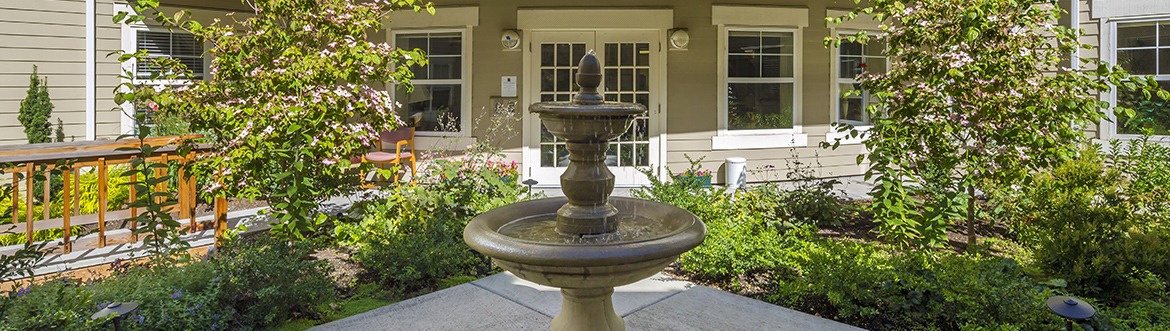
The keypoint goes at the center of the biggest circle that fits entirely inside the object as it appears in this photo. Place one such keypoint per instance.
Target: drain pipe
(90, 69)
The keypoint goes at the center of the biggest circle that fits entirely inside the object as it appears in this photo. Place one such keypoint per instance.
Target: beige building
(745, 79)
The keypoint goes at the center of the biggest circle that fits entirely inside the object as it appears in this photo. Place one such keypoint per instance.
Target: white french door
(630, 69)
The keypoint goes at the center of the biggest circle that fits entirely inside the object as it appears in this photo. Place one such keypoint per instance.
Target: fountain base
(587, 309)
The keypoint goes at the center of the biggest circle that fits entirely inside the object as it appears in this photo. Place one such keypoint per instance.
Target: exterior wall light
(679, 38)
(510, 39)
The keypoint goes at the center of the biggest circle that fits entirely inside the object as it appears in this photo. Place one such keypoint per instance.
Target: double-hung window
(853, 59)
(162, 43)
(177, 45)
(761, 80)
(437, 98)
(1143, 48)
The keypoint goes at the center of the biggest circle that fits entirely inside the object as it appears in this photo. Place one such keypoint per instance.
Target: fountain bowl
(585, 265)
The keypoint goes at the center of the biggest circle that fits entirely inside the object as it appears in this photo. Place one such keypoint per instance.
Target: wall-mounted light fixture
(510, 39)
(679, 38)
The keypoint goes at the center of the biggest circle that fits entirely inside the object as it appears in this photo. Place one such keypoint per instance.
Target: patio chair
(404, 149)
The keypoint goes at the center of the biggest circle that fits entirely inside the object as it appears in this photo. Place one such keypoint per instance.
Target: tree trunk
(970, 218)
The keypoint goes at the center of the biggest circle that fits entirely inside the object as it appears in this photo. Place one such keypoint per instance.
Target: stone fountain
(586, 242)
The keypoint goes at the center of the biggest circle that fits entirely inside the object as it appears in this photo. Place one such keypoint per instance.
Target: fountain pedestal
(585, 243)
(587, 309)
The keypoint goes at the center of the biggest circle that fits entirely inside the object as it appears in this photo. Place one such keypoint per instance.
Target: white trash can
(736, 175)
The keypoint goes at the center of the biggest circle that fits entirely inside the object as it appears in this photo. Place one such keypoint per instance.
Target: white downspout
(90, 69)
(1074, 20)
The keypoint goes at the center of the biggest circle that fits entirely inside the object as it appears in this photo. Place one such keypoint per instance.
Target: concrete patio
(504, 302)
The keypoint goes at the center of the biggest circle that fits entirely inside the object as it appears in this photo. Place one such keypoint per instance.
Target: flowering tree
(296, 92)
(978, 95)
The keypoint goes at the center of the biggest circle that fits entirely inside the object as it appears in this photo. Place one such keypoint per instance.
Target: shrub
(1147, 167)
(168, 297)
(877, 287)
(269, 281)
(284, 129)
(413, 238)
(810, 200)
(956, 113)
(54, 305)
(247, 285)
(739, 241)
(36, 109)
(1137, 315)
(1087, 230)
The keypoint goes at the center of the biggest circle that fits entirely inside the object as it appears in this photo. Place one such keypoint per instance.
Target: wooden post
(181, 192)
(191, 192)
(76, 191)
(220, 219)
(28, 203)
(103, 181)
(65, 201)
(15, 196)
(45, 198)
(220, 213)
(161, 186)
(133, 210)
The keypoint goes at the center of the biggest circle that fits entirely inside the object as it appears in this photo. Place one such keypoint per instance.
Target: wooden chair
(401, 137)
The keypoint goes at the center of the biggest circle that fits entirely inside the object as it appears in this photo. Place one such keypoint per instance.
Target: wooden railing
(27, 160)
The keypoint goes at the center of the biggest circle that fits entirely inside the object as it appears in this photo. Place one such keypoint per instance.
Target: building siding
(51, 35)
(692, 100)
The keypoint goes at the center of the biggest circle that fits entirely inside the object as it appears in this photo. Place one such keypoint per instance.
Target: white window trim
(1108, 129)
(464, 81)
(767, 138)
(129, 44)
(834, 135)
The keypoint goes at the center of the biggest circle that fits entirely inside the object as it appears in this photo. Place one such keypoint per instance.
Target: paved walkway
(850, 187)
(504, 302)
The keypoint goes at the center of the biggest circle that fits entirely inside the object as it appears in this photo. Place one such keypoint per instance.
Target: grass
(347, 308)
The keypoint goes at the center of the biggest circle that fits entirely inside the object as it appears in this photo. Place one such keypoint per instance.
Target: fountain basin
(590, 264)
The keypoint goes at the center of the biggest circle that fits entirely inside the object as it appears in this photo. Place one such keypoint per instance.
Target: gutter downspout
(90, 69)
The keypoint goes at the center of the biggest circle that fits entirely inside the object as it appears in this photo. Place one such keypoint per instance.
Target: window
(1143, 48)
(437, 98)
(761, 80)
(161, 43)
(852, 60)
(167, 44)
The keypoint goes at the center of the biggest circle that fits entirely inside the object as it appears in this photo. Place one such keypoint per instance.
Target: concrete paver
(547, 300)
(705, 308)
(504, 302)
(464, 307)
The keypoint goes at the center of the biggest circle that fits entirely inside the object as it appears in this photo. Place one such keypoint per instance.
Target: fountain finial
(588, 78)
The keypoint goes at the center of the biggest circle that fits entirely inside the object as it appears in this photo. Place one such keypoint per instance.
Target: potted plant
(694, 176)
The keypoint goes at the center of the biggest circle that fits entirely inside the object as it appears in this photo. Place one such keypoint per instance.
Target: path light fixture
(530, 182)
(119, 310)
(1070, 309)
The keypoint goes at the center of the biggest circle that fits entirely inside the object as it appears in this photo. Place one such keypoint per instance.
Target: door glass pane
(632, 84)
(557, 84)
(626, 69)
